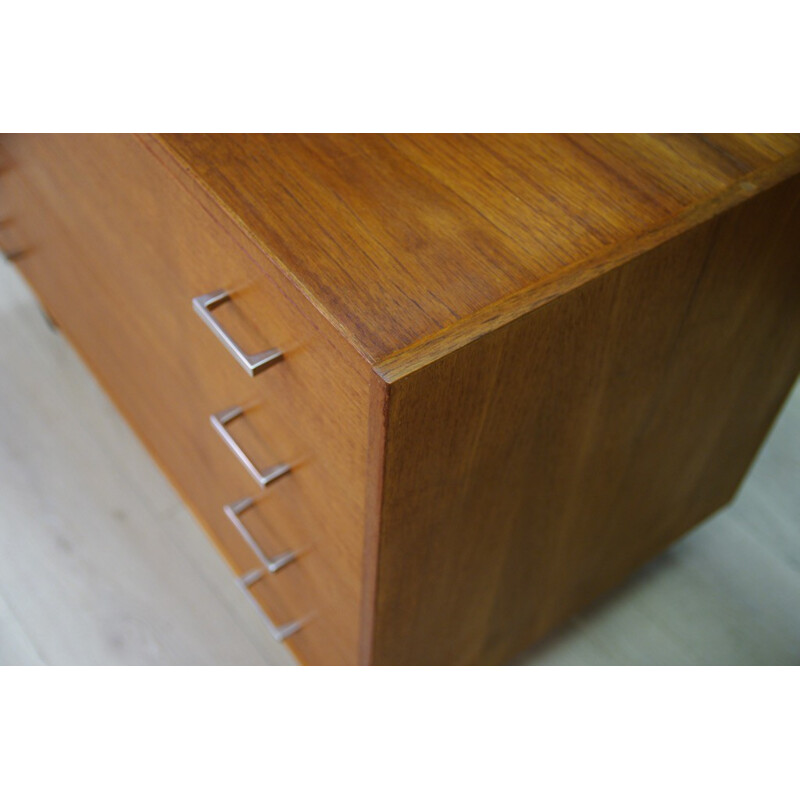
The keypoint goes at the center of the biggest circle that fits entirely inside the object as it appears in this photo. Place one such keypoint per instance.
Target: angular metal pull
(263, 477)
(232, 512)
(252, 364)
(278, 632)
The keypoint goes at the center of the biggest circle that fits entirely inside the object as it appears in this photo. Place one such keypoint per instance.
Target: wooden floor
(100, 563)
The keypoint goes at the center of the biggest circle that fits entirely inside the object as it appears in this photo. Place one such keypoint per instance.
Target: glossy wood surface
(101, 562)
(516, 367)
(116, 250)
(727, 594)
(400, 238)
(531, 471)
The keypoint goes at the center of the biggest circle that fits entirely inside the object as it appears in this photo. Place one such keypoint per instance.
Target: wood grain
(516, 366)
(100, 560)
(118, 249)
(726, 594)
(398, 238)
(531, 471)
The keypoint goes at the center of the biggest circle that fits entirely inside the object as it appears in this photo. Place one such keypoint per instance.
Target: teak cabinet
(430, 395)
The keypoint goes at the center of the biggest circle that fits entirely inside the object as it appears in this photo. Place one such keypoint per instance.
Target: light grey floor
(100, 563)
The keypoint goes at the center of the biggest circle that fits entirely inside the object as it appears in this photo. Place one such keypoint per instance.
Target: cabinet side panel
(531, 471)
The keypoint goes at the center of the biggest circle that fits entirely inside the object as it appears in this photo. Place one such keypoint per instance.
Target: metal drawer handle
(278, 632)
(218, 422)
(252, 364)
(232, 512)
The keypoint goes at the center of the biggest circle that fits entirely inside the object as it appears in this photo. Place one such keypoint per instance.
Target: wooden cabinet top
(412, 245)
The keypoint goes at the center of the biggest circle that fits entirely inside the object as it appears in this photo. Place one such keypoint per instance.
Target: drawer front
(117, 245)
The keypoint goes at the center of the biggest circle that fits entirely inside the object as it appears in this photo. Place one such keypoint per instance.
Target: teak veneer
(515, 367)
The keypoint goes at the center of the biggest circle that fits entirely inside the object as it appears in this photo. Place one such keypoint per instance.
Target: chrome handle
(252, 364)
(218, 422)
(232, 512)
(278, 632)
